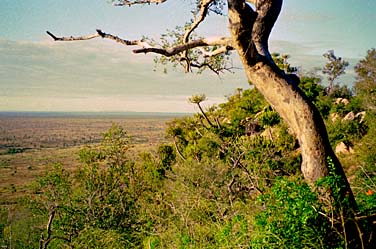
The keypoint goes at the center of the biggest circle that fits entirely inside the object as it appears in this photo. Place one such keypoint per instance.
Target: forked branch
(253, 27)
(204, 7)
(147, 48)
(224, 41)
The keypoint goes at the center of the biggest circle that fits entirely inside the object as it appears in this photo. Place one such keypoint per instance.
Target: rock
(342, 101)
(267, 133)
(334, 116)
(342, 148)
(226, 121)
(351, 150)
(349, 117)
(361, 116)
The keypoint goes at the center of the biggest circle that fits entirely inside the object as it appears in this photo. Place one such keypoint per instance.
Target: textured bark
(283, 94)
(250, 31)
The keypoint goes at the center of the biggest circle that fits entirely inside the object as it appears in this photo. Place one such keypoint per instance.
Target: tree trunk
(250, 31)
(280, 90)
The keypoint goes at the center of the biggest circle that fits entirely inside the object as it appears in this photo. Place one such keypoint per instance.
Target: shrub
(290, 218)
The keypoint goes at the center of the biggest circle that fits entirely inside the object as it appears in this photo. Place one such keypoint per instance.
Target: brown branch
(130, 3)
(204, 114)
(217, 71)
(183, 47)
(202, 14)
(100, 33)
(43, 243)
(218, 51)
(146, 47)
(71, 38)
(267, 14)
(178, 150)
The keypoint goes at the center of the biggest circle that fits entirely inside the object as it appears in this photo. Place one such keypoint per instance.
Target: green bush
(290, 218)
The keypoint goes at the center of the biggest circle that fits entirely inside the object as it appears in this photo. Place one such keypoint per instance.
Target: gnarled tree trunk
(250, 31)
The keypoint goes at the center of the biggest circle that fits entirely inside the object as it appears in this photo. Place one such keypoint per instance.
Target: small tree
(334, 68)
(365, 86)
(197, 99)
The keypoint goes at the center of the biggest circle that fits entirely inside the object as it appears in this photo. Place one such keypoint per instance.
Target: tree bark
(283, 94)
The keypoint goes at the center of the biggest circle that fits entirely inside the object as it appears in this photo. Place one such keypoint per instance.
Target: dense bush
(291, 218)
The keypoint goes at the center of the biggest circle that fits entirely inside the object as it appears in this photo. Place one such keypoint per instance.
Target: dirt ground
(29, 144)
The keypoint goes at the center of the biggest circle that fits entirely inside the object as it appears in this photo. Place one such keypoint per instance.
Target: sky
(37, 74)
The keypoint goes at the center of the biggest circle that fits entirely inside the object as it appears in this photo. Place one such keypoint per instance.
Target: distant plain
(30, 142)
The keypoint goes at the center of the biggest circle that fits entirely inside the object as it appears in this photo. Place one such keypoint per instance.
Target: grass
(28, 144)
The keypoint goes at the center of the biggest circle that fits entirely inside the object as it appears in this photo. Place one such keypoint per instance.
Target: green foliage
(269, 118)
(103, 204)
(15, 150)
(229, 179)
(99, 238)
(290, 218)
(334, 68)
(365, 85)
(346, 131)
(366, 183)
(281, 61)
(311, 87)
(367, 146)
(167, 155)
(15, 224)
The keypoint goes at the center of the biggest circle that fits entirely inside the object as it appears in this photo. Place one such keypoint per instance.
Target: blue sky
(37, 74)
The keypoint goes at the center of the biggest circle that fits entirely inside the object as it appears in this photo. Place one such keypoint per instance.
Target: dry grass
(29, 144)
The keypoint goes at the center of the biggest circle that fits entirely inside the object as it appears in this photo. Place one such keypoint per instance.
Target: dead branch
(203, 12)
(43, 243)
(218, 51)
(100, 33)
(146, 47)
(130, 3)
(184, 47)
(71, 38)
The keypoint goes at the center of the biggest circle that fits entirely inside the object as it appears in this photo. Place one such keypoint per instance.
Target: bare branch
(130, 3)
(147, 48)
(103, 35)
(202, 14)
(43, 243)
(141, 43)
(226, 41)
(71, 38)
(218, 51)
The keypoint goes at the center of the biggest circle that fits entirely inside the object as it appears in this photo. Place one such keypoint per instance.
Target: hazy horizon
(37, 74)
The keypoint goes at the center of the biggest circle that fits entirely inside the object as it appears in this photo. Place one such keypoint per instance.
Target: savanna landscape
(228, 176)
(30, 141)
(287, 162)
